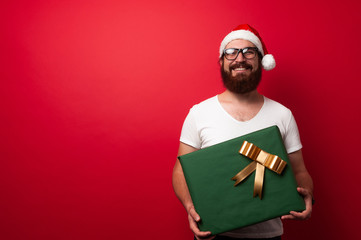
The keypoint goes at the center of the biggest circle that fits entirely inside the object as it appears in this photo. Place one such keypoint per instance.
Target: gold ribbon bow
(260, 159)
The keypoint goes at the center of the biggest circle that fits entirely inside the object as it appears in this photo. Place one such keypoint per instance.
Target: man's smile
(240, 69)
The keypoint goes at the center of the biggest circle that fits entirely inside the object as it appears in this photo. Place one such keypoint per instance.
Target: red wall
(93, 96)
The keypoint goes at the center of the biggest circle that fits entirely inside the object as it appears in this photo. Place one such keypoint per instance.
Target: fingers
(288, 217)
(198, 233)
(296, 216)
(193, 218)
(194, 214)
(306, 214)
(206, 238)
(304, 192)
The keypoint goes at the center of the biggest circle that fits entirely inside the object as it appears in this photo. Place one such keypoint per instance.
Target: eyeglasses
(247, 52)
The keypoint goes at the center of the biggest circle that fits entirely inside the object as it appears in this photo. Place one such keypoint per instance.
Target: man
(240, 110)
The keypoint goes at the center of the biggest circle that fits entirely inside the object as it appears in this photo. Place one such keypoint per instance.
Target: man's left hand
(306, 214)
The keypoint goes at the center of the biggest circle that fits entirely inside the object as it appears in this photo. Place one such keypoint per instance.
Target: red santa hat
(246, 32)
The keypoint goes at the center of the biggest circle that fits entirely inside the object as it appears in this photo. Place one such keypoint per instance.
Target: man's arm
(181, 190)
(305, 185)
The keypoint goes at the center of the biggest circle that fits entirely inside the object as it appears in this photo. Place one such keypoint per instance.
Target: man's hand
(306, 214)
(193, 218)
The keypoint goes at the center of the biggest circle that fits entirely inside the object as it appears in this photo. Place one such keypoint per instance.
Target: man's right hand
(193, 218)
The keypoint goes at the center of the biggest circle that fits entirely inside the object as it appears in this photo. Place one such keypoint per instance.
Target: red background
(94, 94)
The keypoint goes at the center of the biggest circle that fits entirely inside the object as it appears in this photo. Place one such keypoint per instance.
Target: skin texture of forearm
(302, 176)
(178, 180)
(180, 186)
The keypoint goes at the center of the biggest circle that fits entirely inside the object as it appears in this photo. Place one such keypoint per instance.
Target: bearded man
(240, 110)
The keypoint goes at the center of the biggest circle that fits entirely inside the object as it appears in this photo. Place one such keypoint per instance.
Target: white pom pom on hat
(246, 32)
(268, 62)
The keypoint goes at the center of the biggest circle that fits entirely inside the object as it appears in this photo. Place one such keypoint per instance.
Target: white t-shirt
(208, 123)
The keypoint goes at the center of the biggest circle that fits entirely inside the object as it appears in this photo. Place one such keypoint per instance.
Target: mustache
(240, 65)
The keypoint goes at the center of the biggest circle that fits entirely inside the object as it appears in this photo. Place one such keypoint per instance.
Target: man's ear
(220, 61)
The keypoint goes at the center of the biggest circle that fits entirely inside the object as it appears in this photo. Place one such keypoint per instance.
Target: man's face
(241, 75)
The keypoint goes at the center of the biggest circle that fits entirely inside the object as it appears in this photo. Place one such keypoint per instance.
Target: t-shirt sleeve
(189, 134)
(292, 137)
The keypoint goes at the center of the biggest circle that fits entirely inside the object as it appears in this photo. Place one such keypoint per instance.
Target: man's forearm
(302, 176)
(179, 183)
(180, 186)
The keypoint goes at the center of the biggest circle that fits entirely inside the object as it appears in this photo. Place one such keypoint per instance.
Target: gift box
(223, 206)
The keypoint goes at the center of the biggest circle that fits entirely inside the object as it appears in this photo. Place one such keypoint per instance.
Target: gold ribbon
(261, 159)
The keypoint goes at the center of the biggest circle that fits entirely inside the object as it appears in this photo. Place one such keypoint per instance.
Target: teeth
(240, 69)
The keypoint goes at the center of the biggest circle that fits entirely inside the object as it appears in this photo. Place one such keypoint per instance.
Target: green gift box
(224, 207)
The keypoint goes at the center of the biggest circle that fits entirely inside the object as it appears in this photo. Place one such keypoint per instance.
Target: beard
(241, 83)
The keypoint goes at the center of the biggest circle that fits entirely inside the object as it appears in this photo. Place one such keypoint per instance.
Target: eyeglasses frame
(241, 50)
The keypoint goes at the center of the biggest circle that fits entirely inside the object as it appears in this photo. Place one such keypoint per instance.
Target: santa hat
(246, 32)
